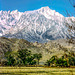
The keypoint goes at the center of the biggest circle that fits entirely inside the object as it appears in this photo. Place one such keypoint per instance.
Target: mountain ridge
(39, 25)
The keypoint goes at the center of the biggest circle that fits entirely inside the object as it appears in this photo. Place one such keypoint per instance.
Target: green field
(36, 71)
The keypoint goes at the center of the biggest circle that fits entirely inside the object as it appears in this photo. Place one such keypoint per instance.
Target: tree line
(24, 57)
(21, 58)
(66, 60)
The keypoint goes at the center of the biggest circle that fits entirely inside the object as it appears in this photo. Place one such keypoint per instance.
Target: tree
(23, 55)
(72, 25)
(10, 59)
(71, 61)
(52, 61)
(72, 2)
(38, 57)
(31, 60)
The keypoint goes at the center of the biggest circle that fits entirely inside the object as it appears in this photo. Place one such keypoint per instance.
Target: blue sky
(26, 5)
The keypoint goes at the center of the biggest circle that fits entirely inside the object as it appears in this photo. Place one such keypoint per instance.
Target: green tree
(23, 55)
(38, 57)
(71, 61)
(52, 61)
(48, 63)
(10, 59)
(31, 60)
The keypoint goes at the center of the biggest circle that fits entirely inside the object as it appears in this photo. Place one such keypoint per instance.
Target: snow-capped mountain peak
(38, 25)
(44, 9)
(47, 12)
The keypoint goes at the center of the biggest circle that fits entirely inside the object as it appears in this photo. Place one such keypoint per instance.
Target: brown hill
(56, 47)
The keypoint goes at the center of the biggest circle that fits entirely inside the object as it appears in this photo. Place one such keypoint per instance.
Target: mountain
(8, 20)
(55, 47)
(39, 25)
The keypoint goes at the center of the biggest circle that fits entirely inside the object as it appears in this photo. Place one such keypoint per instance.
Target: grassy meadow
(36, 71)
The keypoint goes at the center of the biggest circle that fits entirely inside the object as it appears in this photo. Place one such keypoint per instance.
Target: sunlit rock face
(39, 25)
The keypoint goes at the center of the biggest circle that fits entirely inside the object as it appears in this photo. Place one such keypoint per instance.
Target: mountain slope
(56, 47)
(39, 25)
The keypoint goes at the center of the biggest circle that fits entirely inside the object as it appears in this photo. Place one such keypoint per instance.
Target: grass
(36, 71)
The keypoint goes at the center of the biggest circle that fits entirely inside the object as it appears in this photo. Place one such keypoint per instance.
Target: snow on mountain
(8, 20)
(39, 25)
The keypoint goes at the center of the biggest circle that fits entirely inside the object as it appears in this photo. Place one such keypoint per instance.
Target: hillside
(57, 47)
